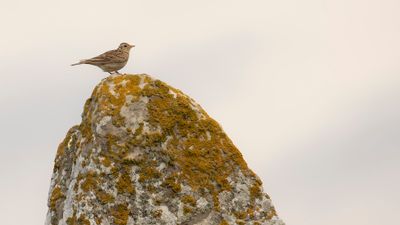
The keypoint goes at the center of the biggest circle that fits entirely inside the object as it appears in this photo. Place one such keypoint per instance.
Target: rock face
(145, 153)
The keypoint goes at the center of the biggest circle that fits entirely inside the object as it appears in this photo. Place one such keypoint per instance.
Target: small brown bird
(110, 61)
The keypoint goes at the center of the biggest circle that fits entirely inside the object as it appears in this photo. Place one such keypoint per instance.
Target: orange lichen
(98, 220)
(148, 172)
(90, 181)
(223, 222)
(157, 214)
(120, 214)
(255, 191)
(187, 210)
(56, 195)
(171, 183)
(188, 199)
(106, 162)
(62, 147)
(240, 215)
(124, 184)
(82, 220)
(104, 197)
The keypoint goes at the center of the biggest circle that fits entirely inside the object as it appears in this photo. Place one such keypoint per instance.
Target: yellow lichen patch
(240, 215)
(124, 184)
(147, 173)
(90, 181)
(106, 162)
(82, 220)
(171, 183)
(187, 210)
(98, 220)
(240, 222)
(271, 213)
(223, 222)
(255, 191)
(120, 214)
(108, 98)
(86, 126)
(72, 220)
(62, 147)
(188, 199)
(250, 211)
(115, 153)
(56, 195)
(215, 199)
(111, 102)
(157, 213)
(104, 197)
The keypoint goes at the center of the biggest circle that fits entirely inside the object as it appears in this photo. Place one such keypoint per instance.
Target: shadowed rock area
(145, 153)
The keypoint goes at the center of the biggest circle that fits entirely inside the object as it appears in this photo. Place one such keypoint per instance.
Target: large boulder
(145, 153)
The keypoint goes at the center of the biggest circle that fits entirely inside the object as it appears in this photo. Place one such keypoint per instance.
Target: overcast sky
(308, 90)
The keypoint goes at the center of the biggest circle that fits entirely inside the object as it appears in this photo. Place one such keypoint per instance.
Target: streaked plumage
(110, 61)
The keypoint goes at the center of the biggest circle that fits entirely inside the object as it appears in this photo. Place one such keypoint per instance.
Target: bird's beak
(132, 46)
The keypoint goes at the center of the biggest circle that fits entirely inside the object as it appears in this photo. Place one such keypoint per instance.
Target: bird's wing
(113, 56)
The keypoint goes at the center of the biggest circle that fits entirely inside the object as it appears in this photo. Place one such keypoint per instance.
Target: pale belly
(112, 67)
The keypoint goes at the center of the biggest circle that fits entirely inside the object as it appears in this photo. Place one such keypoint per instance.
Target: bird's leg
(110, 73)
(117, 71)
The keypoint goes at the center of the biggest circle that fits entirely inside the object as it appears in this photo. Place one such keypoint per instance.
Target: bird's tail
(80, 62)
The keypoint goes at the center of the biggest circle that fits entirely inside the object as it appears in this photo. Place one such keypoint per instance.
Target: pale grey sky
(308, 90)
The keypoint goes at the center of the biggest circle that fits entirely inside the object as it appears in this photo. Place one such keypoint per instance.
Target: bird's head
(125, 46)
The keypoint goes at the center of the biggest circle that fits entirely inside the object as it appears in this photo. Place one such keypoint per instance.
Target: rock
(145, 153)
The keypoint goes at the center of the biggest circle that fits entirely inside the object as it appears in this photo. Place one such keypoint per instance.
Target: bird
(110, 61)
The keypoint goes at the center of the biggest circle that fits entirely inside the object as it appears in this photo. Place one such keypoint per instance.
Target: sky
(307, 90)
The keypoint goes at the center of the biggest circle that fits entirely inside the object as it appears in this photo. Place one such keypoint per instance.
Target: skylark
(110, 61)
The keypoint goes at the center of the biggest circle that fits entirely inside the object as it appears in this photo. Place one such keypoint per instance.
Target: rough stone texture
(145, 153)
